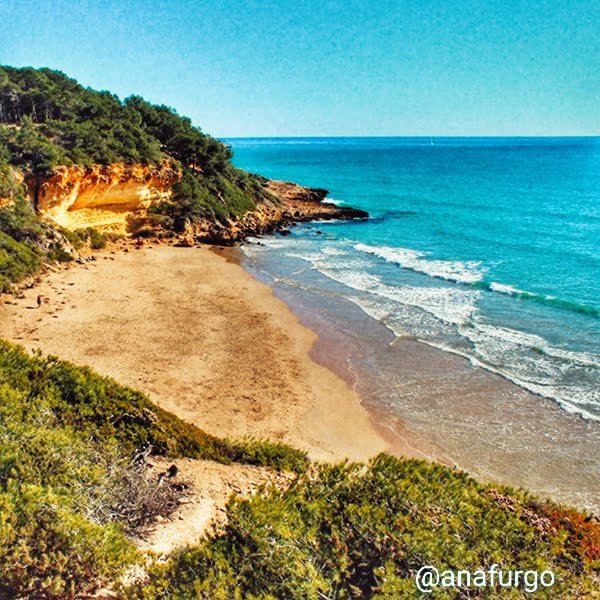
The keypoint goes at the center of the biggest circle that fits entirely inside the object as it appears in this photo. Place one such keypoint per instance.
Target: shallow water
(486, 249)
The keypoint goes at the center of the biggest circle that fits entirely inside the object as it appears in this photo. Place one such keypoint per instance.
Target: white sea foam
(505, 289)
(381, 311)
(331, 251)
(569, 399)
(536, 365)
(537, 343)
(458, 271)
(449, 305)
(447, 318)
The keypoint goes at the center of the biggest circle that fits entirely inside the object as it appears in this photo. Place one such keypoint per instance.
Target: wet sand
(203, 339)
(446, 408)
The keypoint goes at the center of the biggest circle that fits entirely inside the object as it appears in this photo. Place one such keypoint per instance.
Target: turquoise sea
(487, 248)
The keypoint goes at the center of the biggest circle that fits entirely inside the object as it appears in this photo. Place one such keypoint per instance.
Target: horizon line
(423, 136)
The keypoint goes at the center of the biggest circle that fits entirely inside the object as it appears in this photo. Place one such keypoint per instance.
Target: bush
(97, 239)
(20, 222)
(72, 481)
(274, 454)
(48, 550)
(356, 531)
(17, 261)
(9, 188)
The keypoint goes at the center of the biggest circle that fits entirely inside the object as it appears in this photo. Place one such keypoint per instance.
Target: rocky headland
(117, 198)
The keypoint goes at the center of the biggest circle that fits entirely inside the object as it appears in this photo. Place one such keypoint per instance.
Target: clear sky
(339, 67)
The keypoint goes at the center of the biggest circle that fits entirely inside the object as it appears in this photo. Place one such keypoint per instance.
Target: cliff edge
(118, 198)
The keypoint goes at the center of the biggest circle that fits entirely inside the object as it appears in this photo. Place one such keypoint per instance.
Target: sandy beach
(204, 340)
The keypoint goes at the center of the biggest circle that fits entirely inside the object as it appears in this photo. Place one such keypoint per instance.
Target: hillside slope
(83, 159)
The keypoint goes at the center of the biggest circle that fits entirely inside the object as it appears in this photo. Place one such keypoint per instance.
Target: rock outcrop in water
(291, 204)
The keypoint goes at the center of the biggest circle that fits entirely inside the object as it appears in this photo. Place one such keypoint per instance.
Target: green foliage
(69, 484)
(17, 261)
(25, 243)
(217, 197)
(97, 239)
(9, 188)
(49, 550)
(47, 119)
(19, 222)
(79, 237)
(274, 454)
(52, 120)
(356, 531)
(179, 138)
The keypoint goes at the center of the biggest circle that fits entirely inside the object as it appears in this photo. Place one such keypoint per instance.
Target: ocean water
(485, 247)
(466, 309)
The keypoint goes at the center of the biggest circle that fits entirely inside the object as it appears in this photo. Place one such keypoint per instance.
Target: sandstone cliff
(101, 196)
(116, 198)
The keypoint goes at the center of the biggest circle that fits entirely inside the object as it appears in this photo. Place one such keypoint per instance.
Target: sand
(204, 340)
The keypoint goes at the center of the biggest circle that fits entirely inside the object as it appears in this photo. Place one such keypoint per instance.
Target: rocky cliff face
(116, 197)
(101, 196)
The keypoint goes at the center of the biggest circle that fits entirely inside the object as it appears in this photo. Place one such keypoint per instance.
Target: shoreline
(332, 356)
(334, 414)
(203, 339)
(454, 412)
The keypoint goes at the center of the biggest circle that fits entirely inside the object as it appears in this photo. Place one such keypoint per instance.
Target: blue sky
(340, 67)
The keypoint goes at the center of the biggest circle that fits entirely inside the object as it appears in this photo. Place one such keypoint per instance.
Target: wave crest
(457, 271)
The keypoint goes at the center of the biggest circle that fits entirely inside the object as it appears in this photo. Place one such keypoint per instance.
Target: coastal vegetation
(73, 488)
(75, 485)
(363, 531)
(72, 478)
(48, 119)
(21, 243)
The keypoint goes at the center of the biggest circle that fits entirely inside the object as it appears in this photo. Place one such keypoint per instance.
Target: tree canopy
(48, 119)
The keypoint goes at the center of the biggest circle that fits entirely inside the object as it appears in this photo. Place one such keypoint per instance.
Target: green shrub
(70, 482)
(9, 188)
(48, 550)
(101, 408)
(25, 243)
(355, 531)
(274, 454)
(20, 222)
(17, 261)
(56, 253)
(79, 237)
(70, 487)
(76, 237)
(97, 239)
